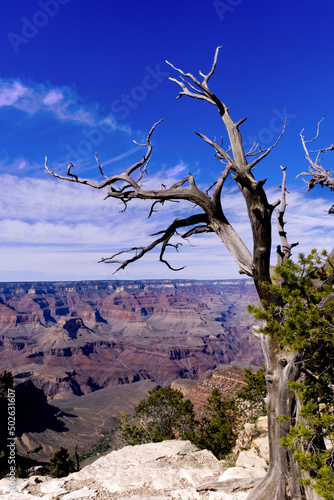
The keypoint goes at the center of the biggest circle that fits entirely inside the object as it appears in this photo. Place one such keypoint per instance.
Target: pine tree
(61, 464)
(302, 319)
(217, 433)
(163, 415)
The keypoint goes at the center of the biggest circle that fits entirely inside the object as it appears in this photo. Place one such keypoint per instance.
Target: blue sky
(79, 77)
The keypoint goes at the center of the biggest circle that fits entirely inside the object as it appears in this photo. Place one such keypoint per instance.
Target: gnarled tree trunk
(281, 481)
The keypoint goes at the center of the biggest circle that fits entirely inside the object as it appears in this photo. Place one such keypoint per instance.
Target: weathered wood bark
(281, 482)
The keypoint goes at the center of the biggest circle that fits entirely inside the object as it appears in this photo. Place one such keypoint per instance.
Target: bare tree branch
(267, 150)
(197, 230)
(202, 91)
(283, 250)
(221, 154)
(254, 150)
(98, 164)
(318, 173)
(125, 176)
(167, 234)
(125, 187)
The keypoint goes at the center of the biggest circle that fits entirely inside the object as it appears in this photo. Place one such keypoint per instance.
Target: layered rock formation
(84, 336)
(79, 422)
(229, 381)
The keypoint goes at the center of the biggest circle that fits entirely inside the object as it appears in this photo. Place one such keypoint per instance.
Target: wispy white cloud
(121, 156)
(19, 166)
(11, 92)
(52, 97)
(61, 230)
(46, 211)
(174, 171)
(62, 103)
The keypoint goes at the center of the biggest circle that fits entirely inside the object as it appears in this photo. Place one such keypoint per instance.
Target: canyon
(82, 352)
(85, 336)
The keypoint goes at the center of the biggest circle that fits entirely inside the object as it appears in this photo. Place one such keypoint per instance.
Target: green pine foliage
(61, 464)
(302, 319)
(166, 415)
(255, 390)
(216, 433)
(6, 382)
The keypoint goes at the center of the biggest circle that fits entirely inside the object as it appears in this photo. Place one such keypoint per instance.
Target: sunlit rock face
(228, 380)
(84, 336)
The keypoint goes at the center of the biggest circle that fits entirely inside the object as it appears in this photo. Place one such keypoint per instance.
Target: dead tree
(319, 175)
(280, 482)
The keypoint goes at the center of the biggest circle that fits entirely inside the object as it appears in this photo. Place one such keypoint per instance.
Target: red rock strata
(84, 336)
(229, 381)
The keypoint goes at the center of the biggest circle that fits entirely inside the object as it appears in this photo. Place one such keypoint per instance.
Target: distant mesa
(71, 325)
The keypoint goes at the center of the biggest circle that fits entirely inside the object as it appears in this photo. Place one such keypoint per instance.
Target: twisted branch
(124, 187)
(128, 185)
(318, 173)
(167, 234)
(202, 91)
(283, 250)
(124, 177)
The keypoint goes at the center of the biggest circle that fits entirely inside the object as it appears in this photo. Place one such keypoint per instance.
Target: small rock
(250, 459)
(249, 429)
(84, 492)
(240, 472)
(55, 487)
(262, 424)
(261, 445)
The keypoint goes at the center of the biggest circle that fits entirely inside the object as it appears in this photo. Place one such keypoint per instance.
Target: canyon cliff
(88, 335)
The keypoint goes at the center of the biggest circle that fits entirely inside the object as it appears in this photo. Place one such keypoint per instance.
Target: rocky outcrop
(167, 470)
(228, 380)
